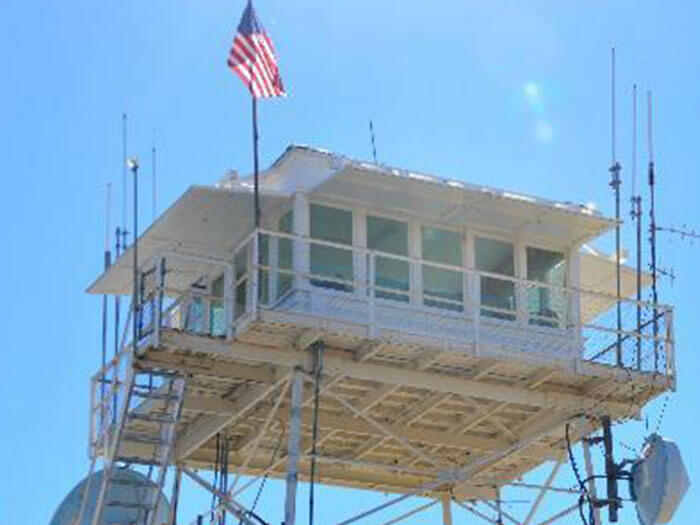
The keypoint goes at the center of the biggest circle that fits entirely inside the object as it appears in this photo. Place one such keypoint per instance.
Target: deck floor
(394, 415)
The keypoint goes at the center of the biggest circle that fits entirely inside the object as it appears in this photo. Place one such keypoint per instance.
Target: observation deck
(455, 330)
(414, 385)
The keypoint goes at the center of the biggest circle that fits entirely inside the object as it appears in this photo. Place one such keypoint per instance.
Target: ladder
(145, 423)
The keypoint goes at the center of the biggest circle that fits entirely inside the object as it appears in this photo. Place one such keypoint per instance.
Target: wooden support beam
(542, 493)
(204, 427)
(329, 421)
(338, 362)
(446, 509)
(307, 338)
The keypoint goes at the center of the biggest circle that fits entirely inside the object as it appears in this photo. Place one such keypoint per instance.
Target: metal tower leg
(446, 509)
(591, 483)
(293, 448)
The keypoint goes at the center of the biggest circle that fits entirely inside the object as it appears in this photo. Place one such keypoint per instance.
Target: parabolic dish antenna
(659, 481)
(128, 487)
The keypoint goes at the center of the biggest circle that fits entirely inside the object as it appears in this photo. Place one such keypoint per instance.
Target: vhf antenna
(153, 173)
(615, 182)
(636, 213)
(652, 230)
(124, 181)
(374, 147)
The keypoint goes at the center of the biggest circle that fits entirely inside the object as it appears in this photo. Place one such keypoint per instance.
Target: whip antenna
(374, 147)
(636, 213)
(652, 228)
(615, 169)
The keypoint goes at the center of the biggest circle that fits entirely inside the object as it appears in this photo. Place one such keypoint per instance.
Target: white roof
(211, 221)
(328, 175)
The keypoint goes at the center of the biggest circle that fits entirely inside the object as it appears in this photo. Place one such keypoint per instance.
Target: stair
(155, 397)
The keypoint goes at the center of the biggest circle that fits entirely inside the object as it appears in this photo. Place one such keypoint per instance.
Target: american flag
(252, 57)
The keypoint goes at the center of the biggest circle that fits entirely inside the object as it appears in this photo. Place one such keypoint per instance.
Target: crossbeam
(339, 362)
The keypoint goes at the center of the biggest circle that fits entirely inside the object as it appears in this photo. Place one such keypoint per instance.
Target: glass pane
(217, 315)
(497, 295)
(392, 274)
(332, 262)
(240, 260)
(285, 280)
(494, 256)
(441, 283)
(194, 319)
(498, 298)
(543, 303)
(442, 246)
(387, 235)
(241, 298)
(331, 224)
(334, 225)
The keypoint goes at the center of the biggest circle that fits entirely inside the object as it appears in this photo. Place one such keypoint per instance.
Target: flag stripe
(252, 57)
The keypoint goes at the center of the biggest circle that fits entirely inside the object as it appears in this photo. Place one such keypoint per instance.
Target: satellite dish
(128, 487)
(659, 481)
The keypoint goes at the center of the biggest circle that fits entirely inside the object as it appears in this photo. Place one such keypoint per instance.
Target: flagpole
(255, 162)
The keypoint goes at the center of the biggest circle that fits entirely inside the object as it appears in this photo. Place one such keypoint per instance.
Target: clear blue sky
(490, 92)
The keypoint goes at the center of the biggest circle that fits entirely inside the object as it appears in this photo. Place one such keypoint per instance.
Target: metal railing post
(273, 268)
(371, 295)
(229, 300)
(159, 291)
(254, 272)
(670, 345)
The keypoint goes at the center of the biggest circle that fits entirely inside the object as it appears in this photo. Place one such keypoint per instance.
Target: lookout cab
(454, 330)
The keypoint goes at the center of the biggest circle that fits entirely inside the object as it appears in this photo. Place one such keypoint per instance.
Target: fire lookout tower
(404, 333)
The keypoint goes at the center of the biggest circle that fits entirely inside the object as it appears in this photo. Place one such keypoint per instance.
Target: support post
(175, 496)
(302, 231)
(318, 348)
(371, 291)
(293, 448)
(446, 509)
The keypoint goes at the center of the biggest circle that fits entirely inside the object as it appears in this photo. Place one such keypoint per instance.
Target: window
(335, 263)
(391, 237)
(546, 306)
(445, 247)
(240, 261)
(217, 313)
(497, 295)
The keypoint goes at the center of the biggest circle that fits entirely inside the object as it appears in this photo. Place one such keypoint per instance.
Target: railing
(107, 397)
(377, 292)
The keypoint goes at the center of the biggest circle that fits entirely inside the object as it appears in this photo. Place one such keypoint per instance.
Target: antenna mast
(107, 264)
(615, 182)
(652, 229)
(636, 213)
(374, 147)
(153, 173)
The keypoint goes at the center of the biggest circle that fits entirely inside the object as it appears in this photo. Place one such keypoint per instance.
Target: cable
(264, 480)
(582, 486)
